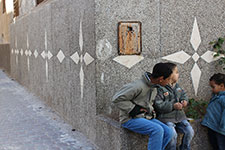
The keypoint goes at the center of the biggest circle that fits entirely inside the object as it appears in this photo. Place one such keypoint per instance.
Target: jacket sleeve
(123, 98)
(162, 105)
(183, 95)
(222, 121)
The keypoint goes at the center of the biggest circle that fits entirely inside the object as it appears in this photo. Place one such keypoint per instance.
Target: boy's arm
(161, 105)
(183, 98)
(222, 121)
(183, 95)
(123, 98)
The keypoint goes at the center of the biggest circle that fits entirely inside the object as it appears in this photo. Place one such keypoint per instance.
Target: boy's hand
(184, 103)
(143, 110)
(137, 110)
(178, 106)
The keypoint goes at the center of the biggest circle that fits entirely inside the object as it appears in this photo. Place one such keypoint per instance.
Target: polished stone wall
(174, 31)
(53, 56)
(66, 52)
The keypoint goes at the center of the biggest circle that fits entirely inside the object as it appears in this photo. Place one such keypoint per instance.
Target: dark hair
(172, 66)
(218, 78)
(161, 69)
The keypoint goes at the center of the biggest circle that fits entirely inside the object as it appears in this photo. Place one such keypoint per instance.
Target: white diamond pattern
(195, 36)
(29, 53)
(128, 61)
(17, 52)
(195, 57)
(26, 52)
(27, 42)
(178, 57)
(196, 75)
(46, 70)
(81, 37)
(49, 55)
(209, 56)
(88, 59)
(75, 57)
(43, 54)
(35, 54)
(28, 64)
(60, 56)
(82, 82)
(21, 52)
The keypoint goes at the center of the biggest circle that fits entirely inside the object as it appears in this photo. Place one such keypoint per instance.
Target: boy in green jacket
(169, 104)
(135, 102)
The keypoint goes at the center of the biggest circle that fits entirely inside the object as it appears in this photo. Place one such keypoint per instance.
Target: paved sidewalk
(27, 124)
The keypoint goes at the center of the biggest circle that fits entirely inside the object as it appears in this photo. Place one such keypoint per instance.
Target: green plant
(218, 48)
(196, 108)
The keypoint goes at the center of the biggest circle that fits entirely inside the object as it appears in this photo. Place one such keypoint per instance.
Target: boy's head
(175, 74)
(217, 82)
(161, 74)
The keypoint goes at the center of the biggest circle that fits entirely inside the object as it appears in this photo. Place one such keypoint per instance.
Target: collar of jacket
(215, 96)
(221, 93)
(147, 79)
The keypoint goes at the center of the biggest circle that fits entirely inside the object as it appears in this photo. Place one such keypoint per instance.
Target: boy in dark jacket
(169, 104)
(135, 102)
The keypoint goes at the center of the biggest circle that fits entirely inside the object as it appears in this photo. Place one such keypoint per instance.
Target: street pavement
(27, 124)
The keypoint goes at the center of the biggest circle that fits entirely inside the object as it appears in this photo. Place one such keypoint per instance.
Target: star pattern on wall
(76, 58)
(86, 58)
(127, 60)
(46, 55)
(182, 57)
(28, 53)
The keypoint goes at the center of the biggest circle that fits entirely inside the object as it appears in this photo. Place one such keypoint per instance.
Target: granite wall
(168, 31)
(52, 55)
(177, 31)
(66, 52)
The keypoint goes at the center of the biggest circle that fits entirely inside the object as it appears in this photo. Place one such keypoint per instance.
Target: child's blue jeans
(159, 133)
(181, 127)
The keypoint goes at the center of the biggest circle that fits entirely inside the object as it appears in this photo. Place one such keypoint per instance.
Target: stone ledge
(111, 136)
